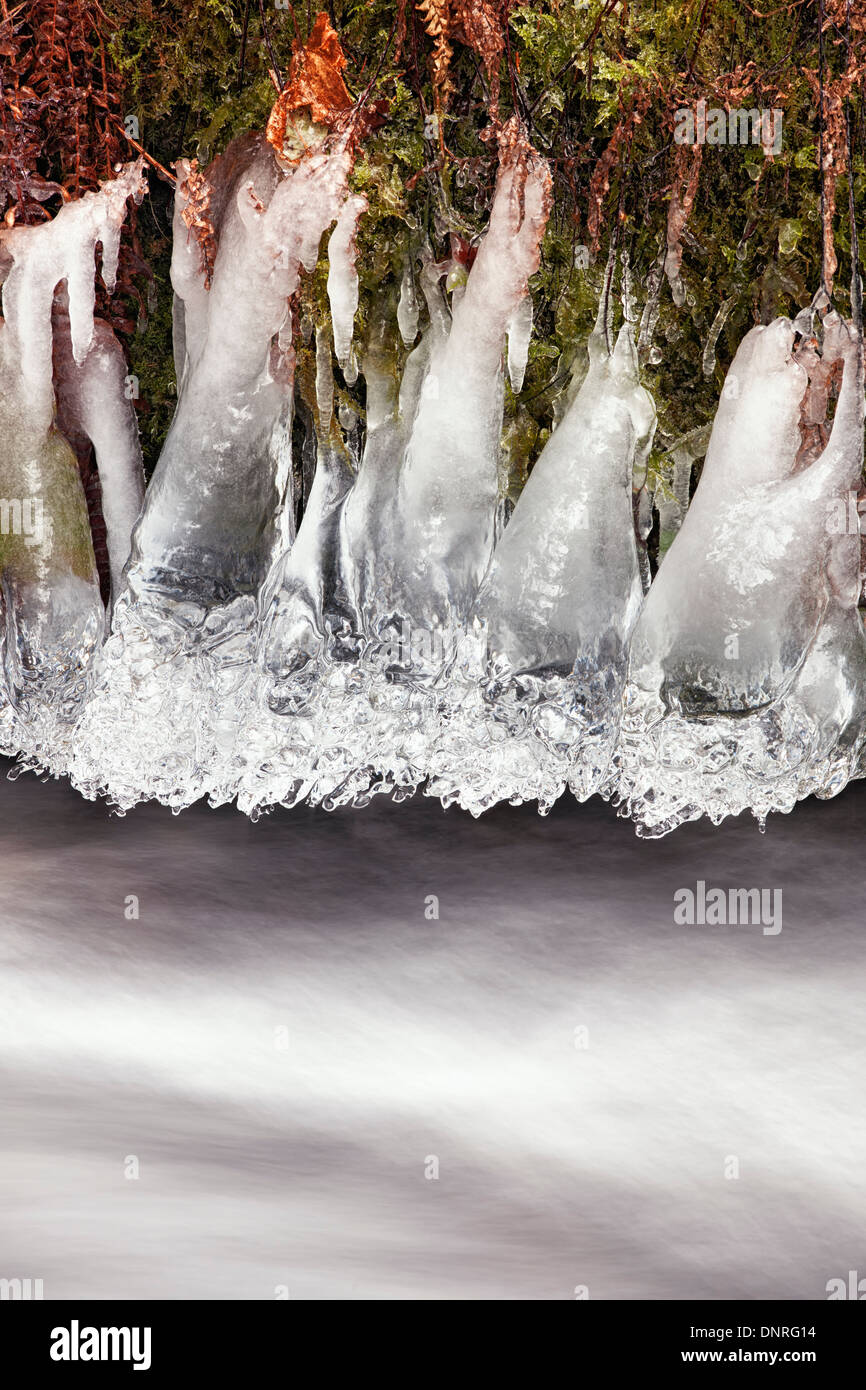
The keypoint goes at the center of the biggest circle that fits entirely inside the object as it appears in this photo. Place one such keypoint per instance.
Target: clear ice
(58, 364)
(746, 683)
(416, 631)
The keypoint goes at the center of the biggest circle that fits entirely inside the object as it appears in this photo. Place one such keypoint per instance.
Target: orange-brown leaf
(314, 81)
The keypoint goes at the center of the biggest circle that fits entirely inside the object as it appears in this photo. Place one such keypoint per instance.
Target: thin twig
(243, 57)
(160, 168)
(267, 38)
(856, 282)
(821, 144)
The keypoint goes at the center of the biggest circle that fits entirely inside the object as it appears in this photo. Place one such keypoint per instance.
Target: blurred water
(409, 1038)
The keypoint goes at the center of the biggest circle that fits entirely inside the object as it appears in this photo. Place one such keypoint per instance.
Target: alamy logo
(843, 516)
(855, 1288)
(76, 1343)
(20, 1290)
(738, 907)
(417, 646)
(734, 127)
(22, 516)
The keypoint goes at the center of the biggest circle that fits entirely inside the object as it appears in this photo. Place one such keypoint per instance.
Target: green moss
(46, 469)
(754, 234)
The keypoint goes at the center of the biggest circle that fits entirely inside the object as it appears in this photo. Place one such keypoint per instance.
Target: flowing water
(287, 1043)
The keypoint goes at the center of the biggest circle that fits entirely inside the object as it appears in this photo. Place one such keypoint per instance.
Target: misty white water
(284, 1040)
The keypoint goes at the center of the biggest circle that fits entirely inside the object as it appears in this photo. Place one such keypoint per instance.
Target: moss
(152, 360)
(46, 469)
(753, 236)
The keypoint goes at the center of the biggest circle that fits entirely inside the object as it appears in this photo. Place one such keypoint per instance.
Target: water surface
(287, 1041)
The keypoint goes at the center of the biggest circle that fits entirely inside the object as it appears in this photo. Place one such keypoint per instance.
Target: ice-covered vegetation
(332, 587)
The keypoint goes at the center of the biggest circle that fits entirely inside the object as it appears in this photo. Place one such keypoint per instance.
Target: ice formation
(366, 620)
(414, 632)
(166, 707)
(557, 606)
(93, 402)
(59, 366)
(747, 666)
(519, 334)
(407, 307)
(343, 277)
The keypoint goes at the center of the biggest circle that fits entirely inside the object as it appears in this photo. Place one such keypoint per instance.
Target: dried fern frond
(438, 20)
(196, 214)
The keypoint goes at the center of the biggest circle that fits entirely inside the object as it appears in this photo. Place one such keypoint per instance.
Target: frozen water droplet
(342, 276)
(350, 370)
(324, 380)
(709, 357)
(519, 336)
(407, 306)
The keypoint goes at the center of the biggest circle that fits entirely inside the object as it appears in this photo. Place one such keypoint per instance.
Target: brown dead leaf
(314, 82)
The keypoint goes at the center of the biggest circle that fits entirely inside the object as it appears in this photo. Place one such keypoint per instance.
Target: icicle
(519, 335)
(191, 297)
(343, 277)
(604, 318)
(63, 249)
(407, 305)
(643, 509)
(579, 599)
(709, 357)
(303, 598)
(51, 611)
(282, 463)
(628, 305)
(672, 502)
(728, 630)
(437, 307)
(92, 398)
(679, 209)
(748, 663)
(651, 309)
(350, 370)
(324, 382)
(212, 529)
(448, 487)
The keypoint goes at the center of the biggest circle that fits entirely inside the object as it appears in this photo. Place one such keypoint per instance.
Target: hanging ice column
(93, 403)
(329, 725)
(337, 582)
(304, 603)
(564, 583)
(55, 357)
(165, 715)
(435, 524)
(208, 532)
(558, 605)
(408, 539)
(748, 663)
